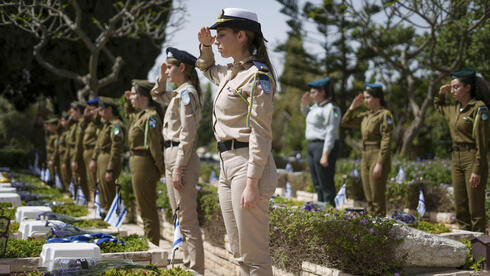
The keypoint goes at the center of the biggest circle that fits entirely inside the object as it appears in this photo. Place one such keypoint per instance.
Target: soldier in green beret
(50, 126)
(91, 123)
(468, 124)
(145, 147)
(62, 148)
(75, 148)
(107, 157)
(376, 129)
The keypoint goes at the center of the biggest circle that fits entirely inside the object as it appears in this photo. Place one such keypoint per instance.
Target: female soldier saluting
(376, 128)
(107, 157)
(468, 123)
(181, 161)
(242, 116)
(145, 148)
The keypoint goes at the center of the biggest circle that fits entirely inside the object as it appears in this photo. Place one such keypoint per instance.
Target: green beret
(464, 72)
(52, 121)
(106, 101)
(77, 104)
(143, 83)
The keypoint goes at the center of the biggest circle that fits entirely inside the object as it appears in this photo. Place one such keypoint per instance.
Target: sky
(201, 13)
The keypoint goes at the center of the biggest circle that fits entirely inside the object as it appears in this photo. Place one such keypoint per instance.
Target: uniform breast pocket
(236, 97)
(466, 124)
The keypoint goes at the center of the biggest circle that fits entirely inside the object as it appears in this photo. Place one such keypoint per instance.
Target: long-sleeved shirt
(243, 106)
(181, 119)
(322, 123)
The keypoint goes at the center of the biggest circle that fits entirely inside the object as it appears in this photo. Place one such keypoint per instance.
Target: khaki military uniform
(469, 129)
(376, 129)
(180, 135)
(75, 155)
(146, 165)
(92, 128)
(108, 151)
(64, 157)
(242, 116)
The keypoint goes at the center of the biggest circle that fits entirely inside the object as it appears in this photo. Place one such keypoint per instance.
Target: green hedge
(14, 158)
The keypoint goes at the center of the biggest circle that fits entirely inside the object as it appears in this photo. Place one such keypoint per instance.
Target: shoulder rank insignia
(117, 130)
(152, 122)
(484, 112)
(388, 118)
(263, 76)
(186, 98)
(335, 112)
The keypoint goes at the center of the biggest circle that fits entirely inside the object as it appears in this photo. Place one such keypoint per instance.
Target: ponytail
(191, 73)
(480, 89)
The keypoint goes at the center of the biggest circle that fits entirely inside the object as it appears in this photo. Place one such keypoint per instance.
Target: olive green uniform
(376, 129)
(75, 155)
(146, 165)
(50, 153)
(468, 127)
(63, 157)
(108, 155)
(92, 128)
(180, 134)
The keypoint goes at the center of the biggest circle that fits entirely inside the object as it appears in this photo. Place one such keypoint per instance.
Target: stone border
(154, 255)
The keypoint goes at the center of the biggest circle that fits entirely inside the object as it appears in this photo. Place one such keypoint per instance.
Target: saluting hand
(205, 37)
(356, 102)
(474, 180)
(127, 94)
(445, 89)
(305, 99)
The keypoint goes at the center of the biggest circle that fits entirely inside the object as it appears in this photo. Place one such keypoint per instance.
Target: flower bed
(148, 270)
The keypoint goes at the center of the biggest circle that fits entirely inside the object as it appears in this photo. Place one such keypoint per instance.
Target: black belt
(140, 152)
(168, 144)
(316, 141)
(231, 144)
(87, 147)
(463, 146)
(370, 146)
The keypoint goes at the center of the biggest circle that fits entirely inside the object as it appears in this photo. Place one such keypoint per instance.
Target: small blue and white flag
(71, 189)
(116, 213)
(177, 239)
(81, 199)
(400, 177)
(340, 198)
(213, 179)
(289, 167)
(42, 175)
(58, 183)
(288, 192)
(97, 203)
(35, 168)
(47, 176)
(421, 206)
(354, 173)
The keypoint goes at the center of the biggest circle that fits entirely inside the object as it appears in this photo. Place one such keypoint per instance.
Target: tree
(413, 56)
(205, 131)
(58, 20)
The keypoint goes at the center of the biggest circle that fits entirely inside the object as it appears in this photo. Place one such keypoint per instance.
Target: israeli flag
(116, 213)
(355, 173)
(35, 168)
(288, 192)
(289, 167)
(47, 176)
(421, 206)
(177, 239)
(71, 189)
(97, 203)
(400, 177)
(81, 199)
(42, 175)
(213, 179)
(58, 183)
(340, 198)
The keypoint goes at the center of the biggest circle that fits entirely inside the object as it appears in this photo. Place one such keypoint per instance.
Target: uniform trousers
(470, 202)
(374, 188)
(247, 228)
(80, 179)
(59, 172)
(186, 202)
(91, 177)
(322, 177)
(107, 189)
(144, 177)
(65, 174)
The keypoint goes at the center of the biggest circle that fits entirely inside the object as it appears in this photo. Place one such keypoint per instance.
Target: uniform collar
(376, 112)
(472, 102)
(181, 88)
(323, 103)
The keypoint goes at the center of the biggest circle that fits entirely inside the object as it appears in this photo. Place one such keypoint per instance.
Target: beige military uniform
(64, 156)
(376, 129)
(180, 134)
(108, 153)
(242, 112)
(468, 127)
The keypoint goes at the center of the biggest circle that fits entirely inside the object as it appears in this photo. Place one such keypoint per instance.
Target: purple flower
(396, 274)
(371, 231)
(365, 221)
(275, 227)
(326, 215)
(292, 214)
